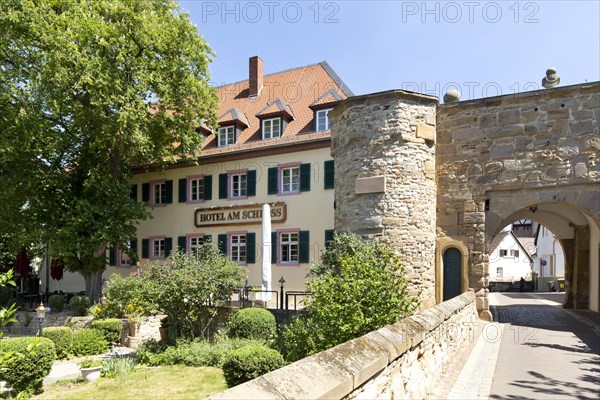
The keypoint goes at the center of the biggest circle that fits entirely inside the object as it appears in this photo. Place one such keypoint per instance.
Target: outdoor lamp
(41, 314)
(281, 286)
(103, 303)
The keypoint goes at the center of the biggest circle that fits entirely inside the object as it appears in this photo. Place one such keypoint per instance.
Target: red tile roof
(293, 91)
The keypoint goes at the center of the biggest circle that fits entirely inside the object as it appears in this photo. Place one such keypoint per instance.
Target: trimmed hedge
(253, 323)
(111, 328)
(56, 301)
(62, 337)
(250, 362)
(80, 304)
(26, 373)
(87, 342)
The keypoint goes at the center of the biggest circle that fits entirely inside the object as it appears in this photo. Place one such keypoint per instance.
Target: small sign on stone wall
(372, 184)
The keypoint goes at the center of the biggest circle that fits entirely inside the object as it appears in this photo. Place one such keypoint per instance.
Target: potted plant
(135, 320)
(90, 369)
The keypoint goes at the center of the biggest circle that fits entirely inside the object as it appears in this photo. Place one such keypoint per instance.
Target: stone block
(425, 131)
(474, 218)
(430, 119)
(372, 184)
(255, 389)
(582, 127)
(502, 151)
(430, 169)
(468, 135)
(509, 117)
(397, 337)
(487, 120)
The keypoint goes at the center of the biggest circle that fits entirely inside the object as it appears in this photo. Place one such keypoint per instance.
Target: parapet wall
(404, 360)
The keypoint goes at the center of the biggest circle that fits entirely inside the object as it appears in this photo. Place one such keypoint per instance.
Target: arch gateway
(427, 178)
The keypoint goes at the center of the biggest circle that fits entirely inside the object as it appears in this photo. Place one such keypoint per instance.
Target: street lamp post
(281, 286)
(41, 314)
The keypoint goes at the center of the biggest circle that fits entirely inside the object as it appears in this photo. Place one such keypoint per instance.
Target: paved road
(545, 351)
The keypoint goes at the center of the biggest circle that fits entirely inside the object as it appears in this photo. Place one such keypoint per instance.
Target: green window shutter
(273, 247)
(133, 248)
(304, 242)
(251, 183)
(305, 177)
(145, 248)
(207, 238)
(208, 187)
(222, 243)
(222, 186)
(182, 243)
(168, 246)
(328, 238)
(272, 183)
(329, 174)
(112, 256)
(183, 190)
(133, 192)
(146, 192)
(251, 248)
(169, 187)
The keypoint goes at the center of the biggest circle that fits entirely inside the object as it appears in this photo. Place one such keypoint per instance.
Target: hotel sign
(238, 215)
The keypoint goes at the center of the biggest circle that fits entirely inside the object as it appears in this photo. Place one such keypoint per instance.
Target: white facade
(550, 262)
(509, 261)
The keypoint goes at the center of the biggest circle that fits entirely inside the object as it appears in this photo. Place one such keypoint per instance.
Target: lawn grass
(168, 382)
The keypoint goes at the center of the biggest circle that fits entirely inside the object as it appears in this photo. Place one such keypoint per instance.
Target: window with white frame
(239, 185)
(271, 128)
(499, 273)
(503, 253)
(123, 259)
(195, 243)
(158, 248)
(322, 119)
(226, 135)
(514, 253)
(159, 195)
(290, 179)
(196, 189)
(237, 248)
(290, 247)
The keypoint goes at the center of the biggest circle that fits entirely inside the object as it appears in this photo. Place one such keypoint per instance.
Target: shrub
(359, 287)
(111, 328)
(80, 304)
(249, 362)
(117, 366)
(253, 323)
(89, 342)
(62, 337)
(26, 372)
(56, 301)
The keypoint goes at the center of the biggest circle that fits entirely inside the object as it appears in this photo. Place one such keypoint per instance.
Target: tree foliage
(89, 89)
(358, 287)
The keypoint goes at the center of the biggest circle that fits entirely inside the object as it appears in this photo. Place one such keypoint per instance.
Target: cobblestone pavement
(545, 352)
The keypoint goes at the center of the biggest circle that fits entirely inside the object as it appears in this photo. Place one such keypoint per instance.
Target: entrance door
(452, 273)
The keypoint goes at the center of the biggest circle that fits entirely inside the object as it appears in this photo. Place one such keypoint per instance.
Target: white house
(549, 264)
(509, 260)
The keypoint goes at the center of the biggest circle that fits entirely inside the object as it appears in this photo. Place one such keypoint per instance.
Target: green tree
(358, 287)
(88, 90)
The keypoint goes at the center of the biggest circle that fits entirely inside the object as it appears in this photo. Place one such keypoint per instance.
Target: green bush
(358, 287)
(62, 337)
(253, 323)
(56, 301)
(112, 329)
(195, 354)
(80, 304)
(88, 342)
(249, 362)
(26, 372)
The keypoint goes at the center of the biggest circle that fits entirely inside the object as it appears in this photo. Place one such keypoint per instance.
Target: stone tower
(383, 146)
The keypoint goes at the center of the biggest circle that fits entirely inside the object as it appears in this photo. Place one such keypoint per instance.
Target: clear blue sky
(482, 47)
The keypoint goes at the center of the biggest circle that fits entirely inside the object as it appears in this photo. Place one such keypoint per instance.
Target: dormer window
(226, 135)
(271, 128)
(322, 119)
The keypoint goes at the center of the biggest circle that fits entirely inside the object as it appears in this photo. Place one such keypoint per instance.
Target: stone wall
(404, 360)
(524, 152)
(383, 147)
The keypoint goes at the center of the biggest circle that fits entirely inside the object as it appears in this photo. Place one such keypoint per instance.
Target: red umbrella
(56, 269)
(22, 263)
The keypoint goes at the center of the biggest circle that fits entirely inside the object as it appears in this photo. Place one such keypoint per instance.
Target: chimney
(256, 76)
